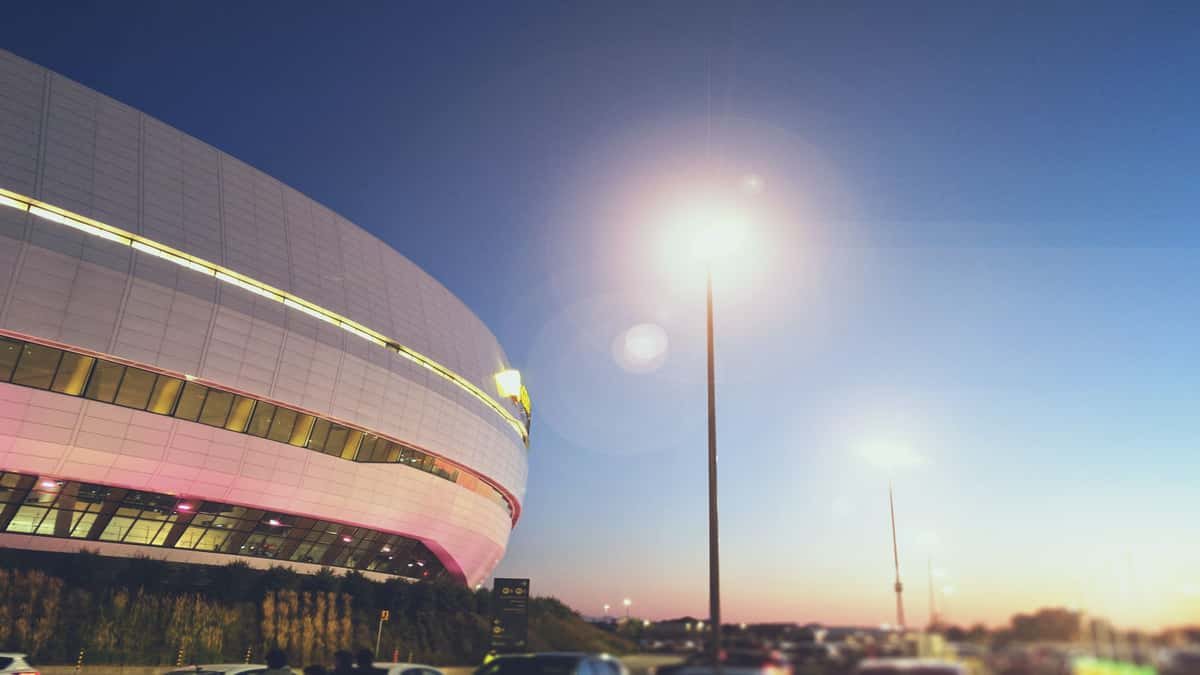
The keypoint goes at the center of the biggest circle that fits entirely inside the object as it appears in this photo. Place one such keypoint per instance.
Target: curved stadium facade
(200, 364)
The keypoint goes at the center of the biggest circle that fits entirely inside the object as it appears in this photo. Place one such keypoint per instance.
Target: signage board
(510, 615)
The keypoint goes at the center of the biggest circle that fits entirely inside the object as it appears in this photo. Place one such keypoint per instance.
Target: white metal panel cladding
(67, 145)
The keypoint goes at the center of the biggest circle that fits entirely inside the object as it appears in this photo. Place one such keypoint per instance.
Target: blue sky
(974, 248)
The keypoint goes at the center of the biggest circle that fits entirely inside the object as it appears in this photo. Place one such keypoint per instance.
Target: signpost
(510, 615)
(384, 615)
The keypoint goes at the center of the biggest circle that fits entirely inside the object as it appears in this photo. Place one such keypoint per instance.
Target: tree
(1050, 624)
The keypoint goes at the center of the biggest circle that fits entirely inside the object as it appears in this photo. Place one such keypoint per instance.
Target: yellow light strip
(9, 201)
(249, 287)
(364, 335)
(171, 257)
(310, 311)
(77, 224)
(164, 252)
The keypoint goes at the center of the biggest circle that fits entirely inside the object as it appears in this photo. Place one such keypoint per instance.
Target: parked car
(15, 664)
(733, 662)
(908, 666)
(814, 653)
(394, 668)
(553, 663)
(220, 669)
(1181, 662)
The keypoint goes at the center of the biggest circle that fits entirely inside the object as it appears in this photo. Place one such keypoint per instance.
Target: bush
(144, 611)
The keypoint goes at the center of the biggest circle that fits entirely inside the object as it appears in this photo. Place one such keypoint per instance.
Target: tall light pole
(896, 560)
(627, 602)
(933, 620)
(606, 608)
(714, 227)
(714, 546)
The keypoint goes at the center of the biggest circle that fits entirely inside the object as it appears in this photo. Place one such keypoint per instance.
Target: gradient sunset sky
(971, 269)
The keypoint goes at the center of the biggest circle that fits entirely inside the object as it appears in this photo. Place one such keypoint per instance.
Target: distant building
(199, 363)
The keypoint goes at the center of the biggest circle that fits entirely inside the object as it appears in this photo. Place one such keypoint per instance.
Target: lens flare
(642, 348)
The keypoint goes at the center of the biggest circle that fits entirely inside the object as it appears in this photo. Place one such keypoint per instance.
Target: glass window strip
(105, 381)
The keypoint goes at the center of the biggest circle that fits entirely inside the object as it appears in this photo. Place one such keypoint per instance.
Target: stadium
(202, 365)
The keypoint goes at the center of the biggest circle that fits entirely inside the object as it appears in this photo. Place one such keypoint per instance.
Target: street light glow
(508, 382)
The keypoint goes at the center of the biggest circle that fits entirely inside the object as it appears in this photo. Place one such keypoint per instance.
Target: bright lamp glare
(508, 382)
(706, 230)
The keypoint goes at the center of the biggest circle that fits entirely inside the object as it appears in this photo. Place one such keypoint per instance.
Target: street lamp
(896, 559)
(508, 383)
(627, 602)
(719, 231)
(606, 608)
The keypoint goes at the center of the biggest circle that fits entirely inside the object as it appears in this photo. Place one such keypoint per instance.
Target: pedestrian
(366, 664)
(343, 662)
(277, 663)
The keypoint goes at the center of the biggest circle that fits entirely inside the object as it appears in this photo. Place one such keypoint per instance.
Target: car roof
(903, 663)
(13, 655)
(534, 655)
(220, 666)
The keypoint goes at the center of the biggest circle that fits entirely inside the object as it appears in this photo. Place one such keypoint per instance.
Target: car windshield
(540, 665)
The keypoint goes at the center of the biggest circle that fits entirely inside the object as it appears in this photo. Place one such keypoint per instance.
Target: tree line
(143, 611)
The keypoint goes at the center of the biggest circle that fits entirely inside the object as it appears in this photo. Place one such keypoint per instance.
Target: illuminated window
(191, 401)
(10, 351)
(27, 519)
(302, 430)
(103, 384)
(69, 373)
(72, 373)
(37, 366)
(216, 408)
(143, 531)
(350, 448)
(190, 537)
(82, 525)
(213, 540)
(117, 528)
(260, 421)
(135, 388)
(162, 399)
(239, 416)
(320, 432)
(445, 470)
(281, 426)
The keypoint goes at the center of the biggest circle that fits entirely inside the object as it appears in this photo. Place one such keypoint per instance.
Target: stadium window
(117, 528)
(34, 365)
(260, 421)
(216, 408)
(300, 432)
(320, 432)
(239, 417)
(350, 447)
(135, 388)
(72, 373)
(166, 390)
(27, 519)
(102, 386)
(37, 366)
(281, 426)
(10, 351)
(191, 401)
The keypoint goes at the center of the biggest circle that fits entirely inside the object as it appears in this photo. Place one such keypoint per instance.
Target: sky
(966, 265)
